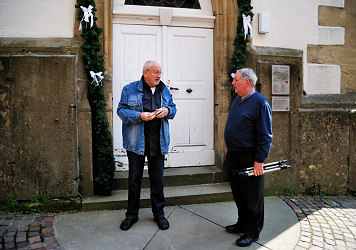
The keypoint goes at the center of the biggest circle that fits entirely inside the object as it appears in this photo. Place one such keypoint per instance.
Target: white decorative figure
(247, 24)
(87, 14)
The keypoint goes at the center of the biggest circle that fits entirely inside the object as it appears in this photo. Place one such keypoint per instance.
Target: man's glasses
(157, 73)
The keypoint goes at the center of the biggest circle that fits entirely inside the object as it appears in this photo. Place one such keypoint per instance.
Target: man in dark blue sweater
(248, 138)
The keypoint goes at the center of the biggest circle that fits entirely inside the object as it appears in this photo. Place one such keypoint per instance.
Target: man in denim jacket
(144, 108)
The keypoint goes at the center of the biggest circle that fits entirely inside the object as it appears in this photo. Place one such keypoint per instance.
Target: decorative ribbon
(87, 13)
(247, 24)
(97, 77)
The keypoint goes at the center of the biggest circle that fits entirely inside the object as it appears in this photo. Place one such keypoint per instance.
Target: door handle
(171, 88)
(189, 90)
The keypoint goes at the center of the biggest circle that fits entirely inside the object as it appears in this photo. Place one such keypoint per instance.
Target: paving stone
(49, 219)
(35, 229)
(47, 235)
(340, 243)
(21, 244)
(328, 236)
(36, 245)
(300, 248)
(303, 244)
(35, 224)
(339, 236)
(9, 245)
(34, 239)
(9, 239)
(47, 230)
(316, 233)
(352, 240)
(21, 239)
(304, 238)
(318, 243)
(31, 234)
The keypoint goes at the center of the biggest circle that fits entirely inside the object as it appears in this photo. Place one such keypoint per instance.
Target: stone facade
(38, 118)
(44, 110)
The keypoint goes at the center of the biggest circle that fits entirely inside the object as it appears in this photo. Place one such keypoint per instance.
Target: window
(191, 4)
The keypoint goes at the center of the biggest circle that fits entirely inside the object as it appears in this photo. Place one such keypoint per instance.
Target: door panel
(133, 45)
(186, 57)
(190, 70)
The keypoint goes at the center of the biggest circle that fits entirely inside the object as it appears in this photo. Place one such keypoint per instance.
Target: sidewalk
(300, 222)
(191, 227)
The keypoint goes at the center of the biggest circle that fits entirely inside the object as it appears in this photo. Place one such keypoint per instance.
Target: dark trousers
(155, 172)
(248, 192)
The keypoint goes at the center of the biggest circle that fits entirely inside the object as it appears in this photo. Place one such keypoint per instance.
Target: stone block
(323, 79)
(352, 156)
(348, 79)
(42, 120)
(34, 239)
(350, 37)
(324, 144)
(332, 54)
(21, 244)
(331, 35)
(351, 4)
(334, 16)
(335, 3)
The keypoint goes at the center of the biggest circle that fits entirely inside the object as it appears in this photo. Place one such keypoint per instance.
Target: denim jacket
(129, 109)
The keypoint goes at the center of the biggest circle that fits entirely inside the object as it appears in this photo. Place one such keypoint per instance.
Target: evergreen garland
(103, 158)
(238, 58)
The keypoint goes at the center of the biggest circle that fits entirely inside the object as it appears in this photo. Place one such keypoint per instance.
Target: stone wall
(316, 136)
(283, 123)
(41, 107)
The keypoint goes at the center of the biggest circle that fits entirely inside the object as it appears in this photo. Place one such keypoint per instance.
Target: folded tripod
(269, 167)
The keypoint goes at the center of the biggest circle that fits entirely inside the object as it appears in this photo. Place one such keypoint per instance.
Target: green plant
(238, 57)
(103, 158)
(291, 192)
(45, 198)
(10, 205)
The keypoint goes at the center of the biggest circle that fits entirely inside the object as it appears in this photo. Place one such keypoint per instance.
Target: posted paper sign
(280, 103)
(280, 79)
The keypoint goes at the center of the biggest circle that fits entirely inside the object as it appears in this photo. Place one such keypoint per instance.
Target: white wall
(294, 24)
(37, 18)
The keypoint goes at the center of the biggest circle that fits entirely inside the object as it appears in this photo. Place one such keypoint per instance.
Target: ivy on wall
(238, 58)
(103, 158)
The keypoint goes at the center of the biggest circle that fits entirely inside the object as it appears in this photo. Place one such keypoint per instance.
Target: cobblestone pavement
(29, 231)
(325, 222)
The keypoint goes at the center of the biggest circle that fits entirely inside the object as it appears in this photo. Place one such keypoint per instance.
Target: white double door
(186, 58)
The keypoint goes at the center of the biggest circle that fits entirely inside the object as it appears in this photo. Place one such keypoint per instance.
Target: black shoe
(162, 223)
(127, 224)
(246, 240)
(234, 229)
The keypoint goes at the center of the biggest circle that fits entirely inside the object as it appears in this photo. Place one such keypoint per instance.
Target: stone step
(175, 177)
(175, 195)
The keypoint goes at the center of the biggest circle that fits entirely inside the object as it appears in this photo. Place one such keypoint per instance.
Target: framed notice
(280, 79)
(280, 103)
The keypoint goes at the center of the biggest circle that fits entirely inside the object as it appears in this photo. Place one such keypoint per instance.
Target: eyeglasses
(157, 73)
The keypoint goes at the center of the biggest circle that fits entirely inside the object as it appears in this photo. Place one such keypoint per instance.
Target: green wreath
(238, 57)
(103, 158)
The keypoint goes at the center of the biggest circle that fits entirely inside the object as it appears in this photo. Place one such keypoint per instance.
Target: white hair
(147, 64)
(247, 73)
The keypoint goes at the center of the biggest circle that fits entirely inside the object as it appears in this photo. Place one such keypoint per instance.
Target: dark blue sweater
(249, 126)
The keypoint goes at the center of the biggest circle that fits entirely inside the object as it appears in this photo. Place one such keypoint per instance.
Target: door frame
(159, 16)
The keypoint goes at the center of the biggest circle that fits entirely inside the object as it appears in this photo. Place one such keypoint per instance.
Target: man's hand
(147, 116)
(161, 112)
(258, 168)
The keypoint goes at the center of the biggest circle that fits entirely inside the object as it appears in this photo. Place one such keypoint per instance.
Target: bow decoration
(247, 24)
(97, 78)
(87, 14)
